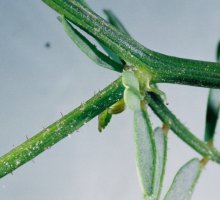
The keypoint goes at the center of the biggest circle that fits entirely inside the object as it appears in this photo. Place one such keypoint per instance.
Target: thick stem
(61, 128)
(84, 113)
(160, 67)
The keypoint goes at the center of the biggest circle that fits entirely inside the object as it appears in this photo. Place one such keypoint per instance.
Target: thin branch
(60, 129)
(157, 105)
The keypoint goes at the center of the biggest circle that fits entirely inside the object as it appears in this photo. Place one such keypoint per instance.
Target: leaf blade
(145, 152)
(83, 2)
(212, 110)
(114, 21)
(161, 146)
(184, 181)
(212, 114)
(88, 48)
(145, 149)
(110, 53)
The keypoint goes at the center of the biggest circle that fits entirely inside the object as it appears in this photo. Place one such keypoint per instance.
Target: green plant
(141, 68)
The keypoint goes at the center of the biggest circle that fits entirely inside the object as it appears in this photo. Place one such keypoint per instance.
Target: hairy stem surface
(84, 113)
(161, 68)
(157, 105)
(61, 128)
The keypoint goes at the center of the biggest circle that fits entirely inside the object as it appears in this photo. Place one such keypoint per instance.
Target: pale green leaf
(161, 147)
(132, 100)
(129, 80)
(184, 181)
(132, 95)
(145, 151)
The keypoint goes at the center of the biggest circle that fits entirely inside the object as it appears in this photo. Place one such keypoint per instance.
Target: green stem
(160, 67)
(61, 128)
(84, 113)
(157, 105)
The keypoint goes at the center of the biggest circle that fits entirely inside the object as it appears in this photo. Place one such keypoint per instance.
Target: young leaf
(118, 107)
(213, 107)
(88, 48)
(130, 81)
(132, 95)
(145, 151)
(184, 181)
(105, 117)
(161, 147)
(103, 120)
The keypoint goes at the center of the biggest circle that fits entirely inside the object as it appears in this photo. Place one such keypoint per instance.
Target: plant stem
(61, 128)
(161, 68)
(157, 105)
(84, 113)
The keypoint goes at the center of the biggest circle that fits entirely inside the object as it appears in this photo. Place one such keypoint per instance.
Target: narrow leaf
(113, 20)
(218, 52)
(88, 48)
(213, 107)
(83, 2)
(111, 54)
(161, 147)
(212, 113)
(103, 120)
(145, 151)
(184, 181)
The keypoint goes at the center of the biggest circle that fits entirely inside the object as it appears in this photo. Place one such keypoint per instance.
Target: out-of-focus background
(42, 73)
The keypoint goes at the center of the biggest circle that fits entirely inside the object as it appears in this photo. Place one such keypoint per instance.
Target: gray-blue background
(36, 84)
